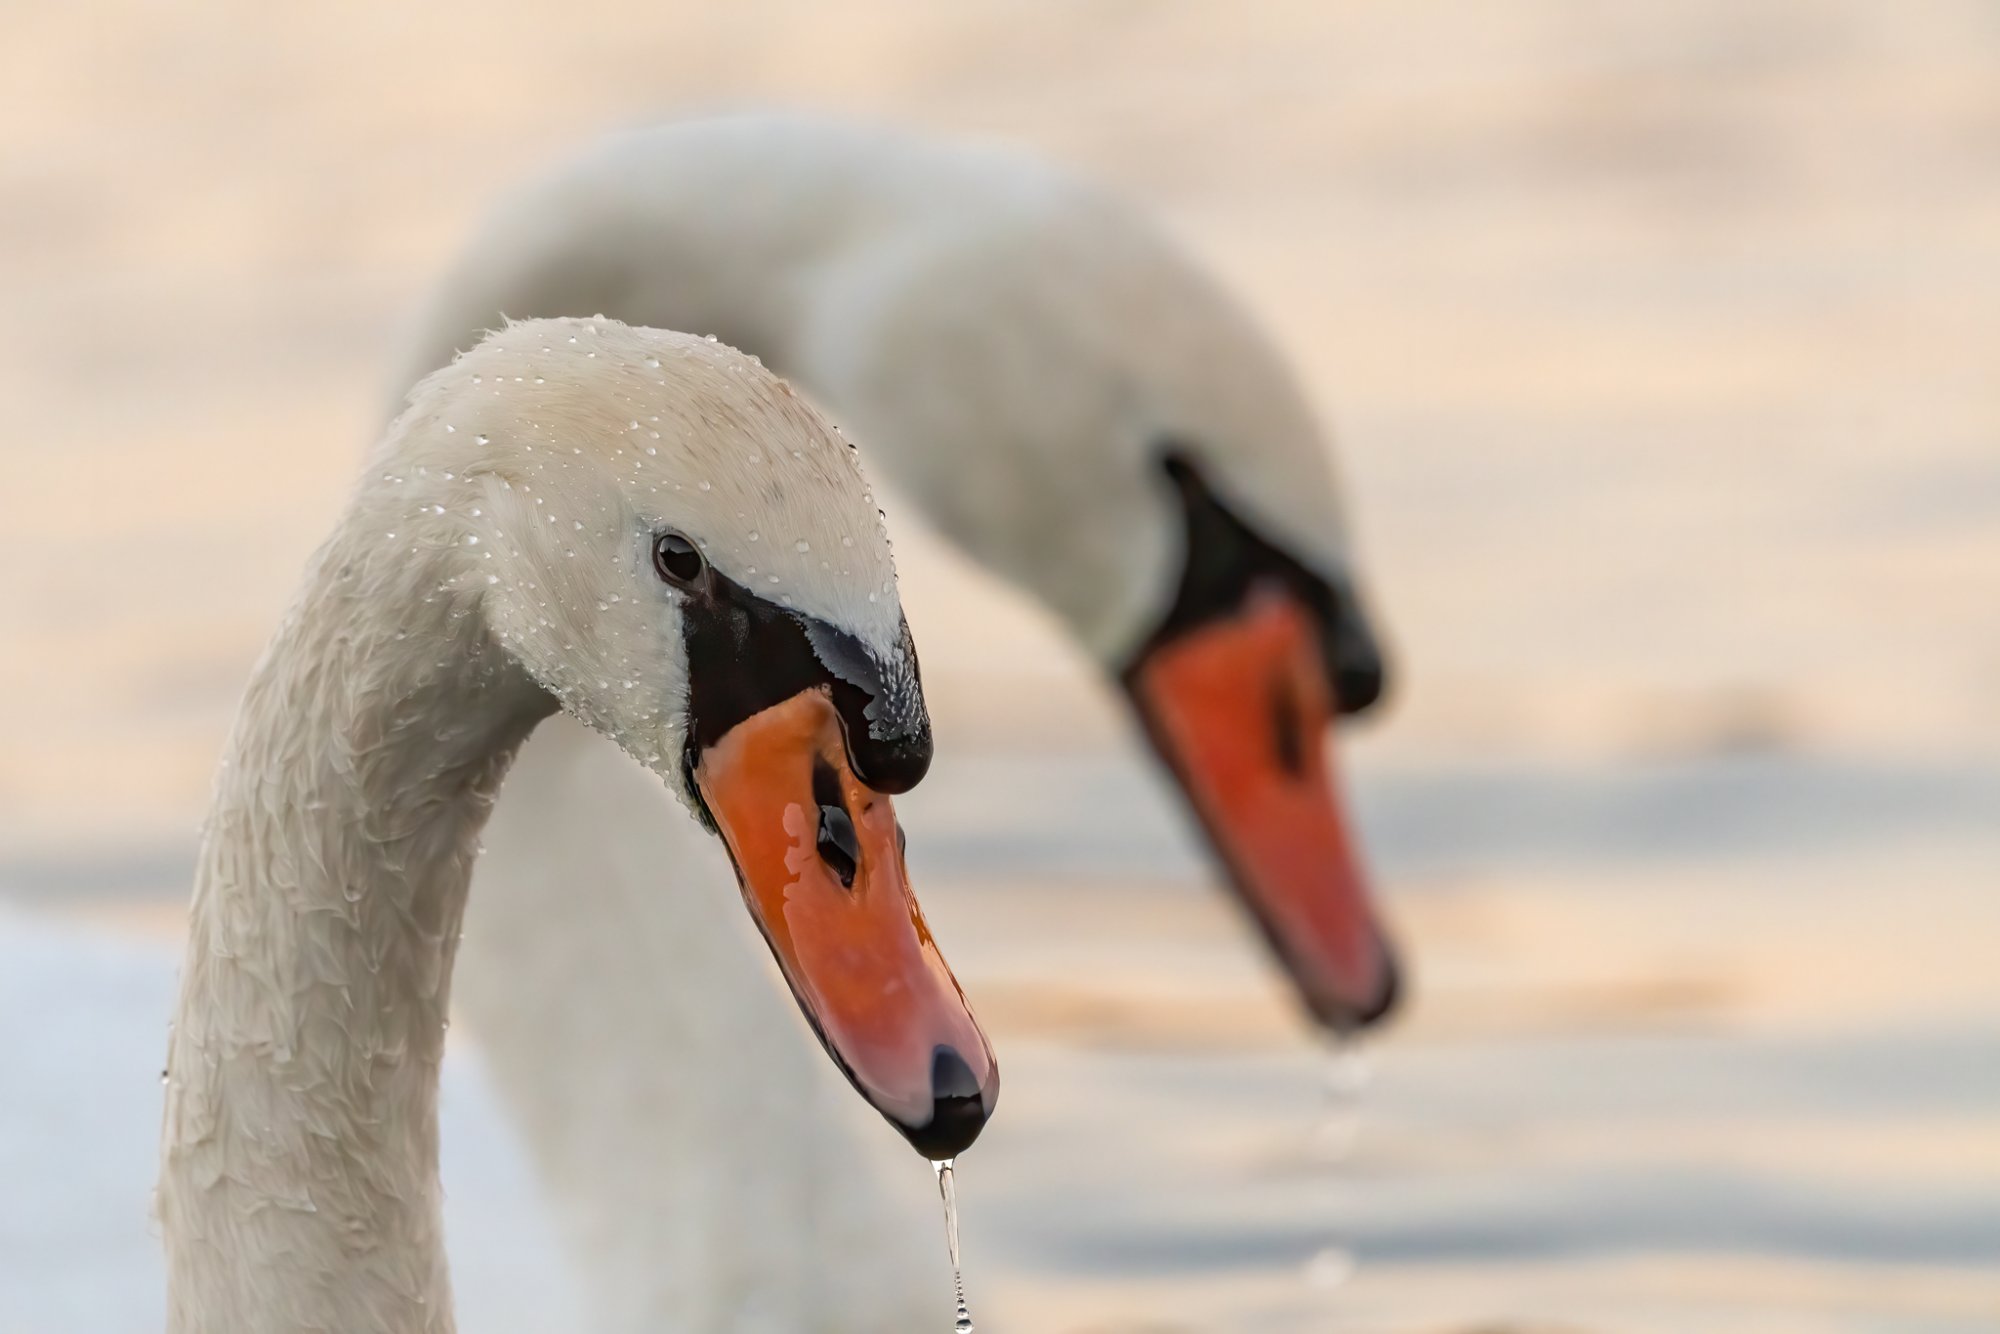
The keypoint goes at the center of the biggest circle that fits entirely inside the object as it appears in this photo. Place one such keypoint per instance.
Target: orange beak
(1239, 709)
(820, 860)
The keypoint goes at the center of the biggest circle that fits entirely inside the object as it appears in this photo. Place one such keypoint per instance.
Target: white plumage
(1010, 347)
(493, 559)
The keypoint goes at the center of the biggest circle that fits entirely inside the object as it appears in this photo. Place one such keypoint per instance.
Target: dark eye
(677, 559)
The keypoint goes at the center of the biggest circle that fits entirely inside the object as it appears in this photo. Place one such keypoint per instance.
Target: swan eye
(677, 560)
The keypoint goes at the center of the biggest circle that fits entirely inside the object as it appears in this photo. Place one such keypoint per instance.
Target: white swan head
(687, 557)
(1068, 398)
(1089, 416)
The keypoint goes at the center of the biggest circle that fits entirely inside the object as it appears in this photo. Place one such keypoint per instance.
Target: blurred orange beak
(1239, 708)
(820, 860)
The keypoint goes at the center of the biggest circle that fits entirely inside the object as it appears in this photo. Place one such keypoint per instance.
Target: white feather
(492, 560)
(1011, 347)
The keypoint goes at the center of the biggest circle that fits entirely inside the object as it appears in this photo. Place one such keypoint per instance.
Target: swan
(1078, 407)
(561, 519)
(1063, 394)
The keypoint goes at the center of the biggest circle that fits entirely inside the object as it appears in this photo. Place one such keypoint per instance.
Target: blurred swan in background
(1070, 400)
(516, 547)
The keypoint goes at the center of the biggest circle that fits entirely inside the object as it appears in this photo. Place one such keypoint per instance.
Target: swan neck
(299, 1183)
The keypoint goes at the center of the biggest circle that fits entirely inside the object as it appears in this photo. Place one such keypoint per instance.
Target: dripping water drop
(963, 1323)
(1344, 1080)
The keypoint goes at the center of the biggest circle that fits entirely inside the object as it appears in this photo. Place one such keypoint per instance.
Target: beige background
(1660, 344)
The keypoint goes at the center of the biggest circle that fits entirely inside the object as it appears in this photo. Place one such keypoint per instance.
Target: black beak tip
(1344, 1017)
(959, 1108)
(1387, 999)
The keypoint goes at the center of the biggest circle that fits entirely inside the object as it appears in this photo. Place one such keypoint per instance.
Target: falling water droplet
(1344, 1079)
(963, 1324)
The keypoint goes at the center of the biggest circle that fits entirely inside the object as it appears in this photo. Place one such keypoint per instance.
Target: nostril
(838, 847)
(1287, 728)
(958, 1109)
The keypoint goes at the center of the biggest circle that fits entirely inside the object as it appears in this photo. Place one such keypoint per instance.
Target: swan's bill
(819, 856)
(1239, 707)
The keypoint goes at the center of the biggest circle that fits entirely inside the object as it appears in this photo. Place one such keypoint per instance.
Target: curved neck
(299, 1171)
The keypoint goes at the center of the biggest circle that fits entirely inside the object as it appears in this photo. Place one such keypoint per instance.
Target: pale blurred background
(1660, 344)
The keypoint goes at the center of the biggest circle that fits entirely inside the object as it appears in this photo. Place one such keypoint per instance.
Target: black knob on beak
(1357, 683)
(894, 765)
(1354, 659)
